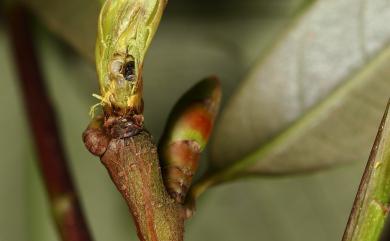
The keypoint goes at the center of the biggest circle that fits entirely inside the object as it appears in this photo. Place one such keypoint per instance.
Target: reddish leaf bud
(188, 130)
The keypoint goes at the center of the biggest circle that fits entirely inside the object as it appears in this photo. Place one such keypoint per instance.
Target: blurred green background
(195, 39)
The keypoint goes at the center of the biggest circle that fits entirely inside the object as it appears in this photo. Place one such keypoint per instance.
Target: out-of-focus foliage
(13, 147)
(195, 39)
(75, 21)
(315, 99)
(210, 37)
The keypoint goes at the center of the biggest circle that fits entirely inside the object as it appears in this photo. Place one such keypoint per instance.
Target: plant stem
(371, 206)
(132, 162)
(125, 31)
(212, 178)
(134, 167)
(52, 162)
(127, 151)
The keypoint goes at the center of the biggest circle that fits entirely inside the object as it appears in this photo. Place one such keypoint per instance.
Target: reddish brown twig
(51, 157)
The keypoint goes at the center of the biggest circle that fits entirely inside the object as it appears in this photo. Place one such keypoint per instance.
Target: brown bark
(133, 165)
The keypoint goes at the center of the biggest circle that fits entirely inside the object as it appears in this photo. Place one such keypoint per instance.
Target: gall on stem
(188, 129)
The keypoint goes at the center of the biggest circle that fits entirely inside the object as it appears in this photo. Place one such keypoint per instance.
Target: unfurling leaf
(188, 130)
(125, 31)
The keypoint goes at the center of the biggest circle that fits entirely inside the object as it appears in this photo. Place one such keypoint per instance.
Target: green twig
(371, 205)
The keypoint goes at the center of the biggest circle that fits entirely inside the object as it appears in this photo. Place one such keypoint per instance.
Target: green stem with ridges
(371, 205)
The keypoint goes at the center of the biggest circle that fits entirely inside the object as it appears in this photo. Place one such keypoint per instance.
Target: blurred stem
(213, 178)
(51, 157)
(371, 206)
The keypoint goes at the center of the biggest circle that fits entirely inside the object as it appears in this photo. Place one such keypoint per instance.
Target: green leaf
(371, 206)
(314, 99)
